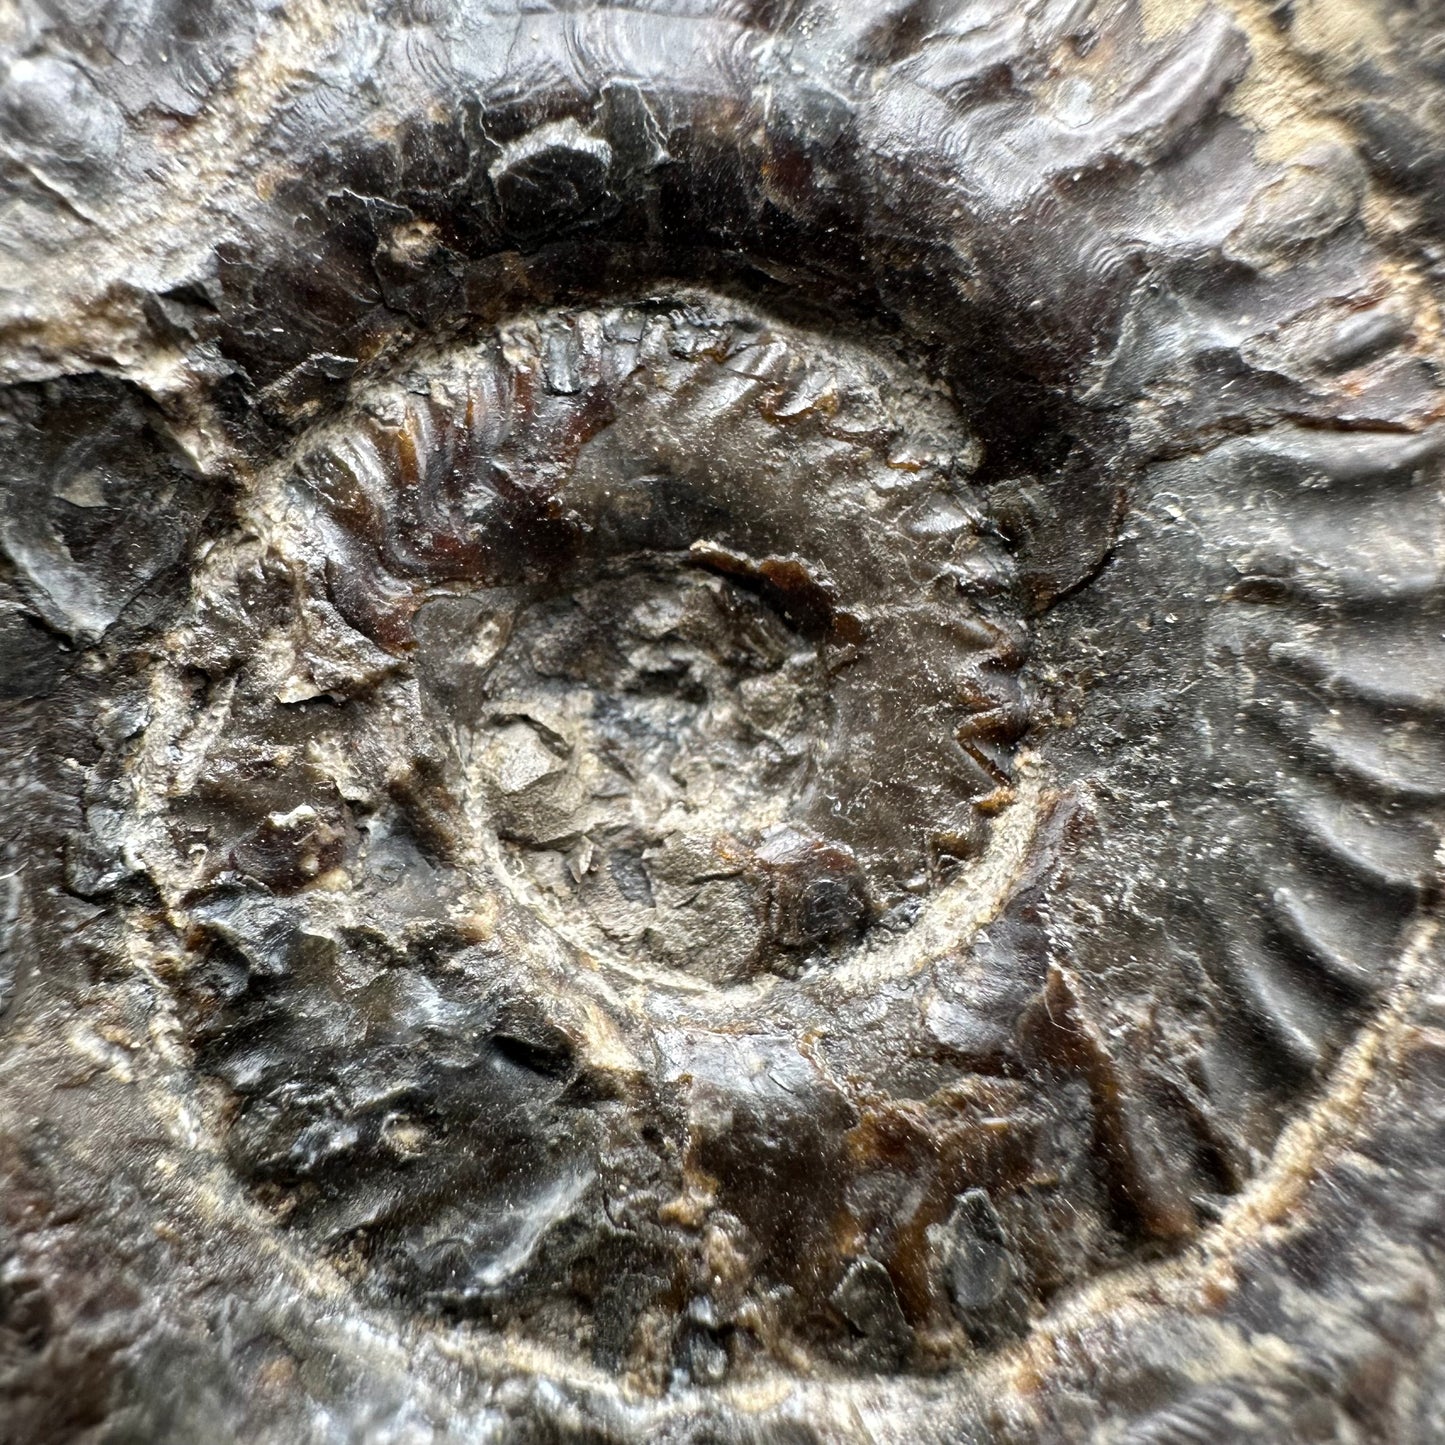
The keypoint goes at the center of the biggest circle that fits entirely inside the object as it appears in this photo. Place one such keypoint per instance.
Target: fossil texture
(722, 721)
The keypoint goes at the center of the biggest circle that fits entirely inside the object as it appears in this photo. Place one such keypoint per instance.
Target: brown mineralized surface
(721, 721)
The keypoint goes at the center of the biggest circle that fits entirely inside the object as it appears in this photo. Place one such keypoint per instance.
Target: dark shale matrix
(722, 722)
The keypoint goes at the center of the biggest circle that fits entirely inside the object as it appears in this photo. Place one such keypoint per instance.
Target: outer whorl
(722, 722)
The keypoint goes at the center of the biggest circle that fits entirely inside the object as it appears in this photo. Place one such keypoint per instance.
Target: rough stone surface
(721, 720)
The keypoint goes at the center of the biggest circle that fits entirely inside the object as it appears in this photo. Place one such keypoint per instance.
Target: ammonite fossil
(721, 721)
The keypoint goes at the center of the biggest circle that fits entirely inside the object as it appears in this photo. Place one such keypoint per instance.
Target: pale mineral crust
(721, 721)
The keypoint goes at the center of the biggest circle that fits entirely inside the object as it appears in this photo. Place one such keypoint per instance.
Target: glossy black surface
(721, 722)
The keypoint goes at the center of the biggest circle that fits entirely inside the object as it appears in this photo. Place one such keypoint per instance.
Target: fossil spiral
(722, 721)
